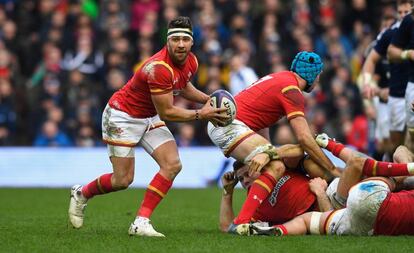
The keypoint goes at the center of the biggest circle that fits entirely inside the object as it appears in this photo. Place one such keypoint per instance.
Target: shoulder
(408, 20)
(288, 82)
(158, 67)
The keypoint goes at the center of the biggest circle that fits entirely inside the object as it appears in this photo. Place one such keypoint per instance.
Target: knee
(122, 182)
(399, 154)
(172, 169)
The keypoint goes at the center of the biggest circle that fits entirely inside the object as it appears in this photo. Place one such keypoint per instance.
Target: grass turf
(35, 220)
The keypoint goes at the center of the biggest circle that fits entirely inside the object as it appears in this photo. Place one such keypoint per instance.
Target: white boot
(142, 227)
(77, 206)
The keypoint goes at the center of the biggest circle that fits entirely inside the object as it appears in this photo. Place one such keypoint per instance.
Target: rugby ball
(223, 99)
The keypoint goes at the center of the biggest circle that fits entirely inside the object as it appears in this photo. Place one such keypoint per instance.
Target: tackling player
(260, 106)
(133, 116)
(370, 207)
(293, 194)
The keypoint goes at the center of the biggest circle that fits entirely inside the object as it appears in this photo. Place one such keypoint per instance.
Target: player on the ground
(293, 194)
(260, 106)
(401, 49)
(391, 107)
(134, 116)
(370, 205)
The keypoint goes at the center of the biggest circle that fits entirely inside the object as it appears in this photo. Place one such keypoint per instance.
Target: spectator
(52, 136)
(241, 76)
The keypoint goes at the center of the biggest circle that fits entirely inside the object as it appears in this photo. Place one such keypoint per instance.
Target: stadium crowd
(61, 60)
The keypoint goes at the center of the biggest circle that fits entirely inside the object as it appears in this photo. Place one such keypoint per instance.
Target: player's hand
(318, 185)
(215, 115)
(322, 140)
(229, 181)
(258, 162)
(383, 94)
(369, 91)
(367, 85)
(411, 54)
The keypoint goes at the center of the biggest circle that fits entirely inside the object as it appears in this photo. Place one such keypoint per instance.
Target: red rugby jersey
(158, 75)
(269, 99)
(289, 198)
(396, 214)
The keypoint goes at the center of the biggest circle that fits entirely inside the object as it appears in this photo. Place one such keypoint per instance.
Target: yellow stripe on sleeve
(290, 87)
(166, 65)
(261, 183)
(295, 114)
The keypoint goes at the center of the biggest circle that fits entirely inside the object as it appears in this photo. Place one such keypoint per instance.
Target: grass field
(35, 220)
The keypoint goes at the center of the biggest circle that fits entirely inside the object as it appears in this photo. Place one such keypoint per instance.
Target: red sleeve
(293, 102)
(160, 77)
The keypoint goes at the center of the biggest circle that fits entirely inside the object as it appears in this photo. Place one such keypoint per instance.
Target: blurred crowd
(61, 60)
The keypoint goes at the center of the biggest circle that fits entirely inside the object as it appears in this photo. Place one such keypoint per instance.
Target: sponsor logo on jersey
(273, 196)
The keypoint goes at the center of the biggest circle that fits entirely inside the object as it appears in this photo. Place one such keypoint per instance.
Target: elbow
(164, 115)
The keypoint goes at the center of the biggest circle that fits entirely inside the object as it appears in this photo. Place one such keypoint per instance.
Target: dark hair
(237, 165)
(181, 22)
(399, 2)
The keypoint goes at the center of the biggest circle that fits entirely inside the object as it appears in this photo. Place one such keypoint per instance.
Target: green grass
(35, 220)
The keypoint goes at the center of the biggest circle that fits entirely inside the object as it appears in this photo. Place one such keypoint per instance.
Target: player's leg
(167, 158)
(121, 130)
(351, 176)
(121, 178)
(382, 131)
(409, 99)
(403, 155)
(260, 190)
(240, 142)
(397, 121)
(160, 144)
(307, 223)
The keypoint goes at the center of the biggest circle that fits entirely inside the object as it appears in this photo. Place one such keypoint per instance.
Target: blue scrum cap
(307, 65)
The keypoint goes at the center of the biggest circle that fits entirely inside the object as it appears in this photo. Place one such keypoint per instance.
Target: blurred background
(61, 60)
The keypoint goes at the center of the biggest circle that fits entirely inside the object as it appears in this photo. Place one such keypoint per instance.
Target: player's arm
(365, 80)
(303, 134)
(397, 55)
(226, 205)
(318, 187)
(193, 94)
(168, 111)
(401, 38)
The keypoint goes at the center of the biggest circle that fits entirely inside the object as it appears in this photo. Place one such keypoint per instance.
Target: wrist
(367, 77)
(227, 192)
(197, 114)
(405, 55)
